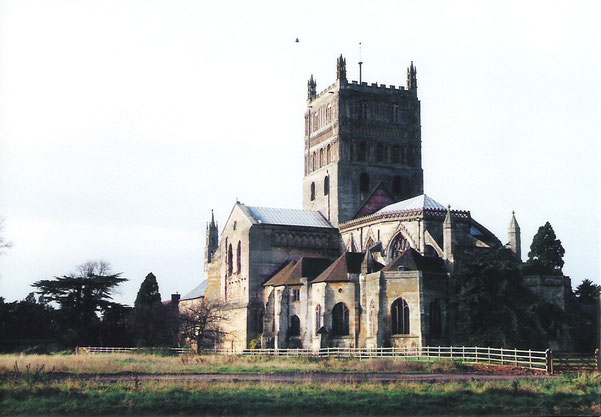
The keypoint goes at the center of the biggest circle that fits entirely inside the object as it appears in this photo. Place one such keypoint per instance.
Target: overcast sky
(123, 123)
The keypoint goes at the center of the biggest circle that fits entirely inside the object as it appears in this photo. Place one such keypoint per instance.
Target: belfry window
(399, 313)
(396, 154)
(363, 110)
(362, 154)
(321, 160)
(294, 329)
(379, 152)
(364, 183)
(326, 185)
(395, 113)
(328, 154)
(340, 320)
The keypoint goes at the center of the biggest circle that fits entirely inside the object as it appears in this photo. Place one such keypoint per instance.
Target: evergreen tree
(149, 315)
(587, 292)
(546, 252)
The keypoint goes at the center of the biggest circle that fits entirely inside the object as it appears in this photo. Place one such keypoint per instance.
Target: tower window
(396, 154)
(395, 113)
(321, 160)
(314, 161)
(340, 320)
(363, 110)
(328, 154)
(312, 191)
(326, 185)
(364, 183)
(362, 154)
(399, 317)
(239, 258)
(379, 152)
(329, 114)
(396, 184)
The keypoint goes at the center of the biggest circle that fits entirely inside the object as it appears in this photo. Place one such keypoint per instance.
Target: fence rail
(530, 359)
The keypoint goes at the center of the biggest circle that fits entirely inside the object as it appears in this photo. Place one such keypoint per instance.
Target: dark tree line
(78, 310)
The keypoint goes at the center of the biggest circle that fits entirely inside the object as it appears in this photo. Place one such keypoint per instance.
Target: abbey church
(368, 260)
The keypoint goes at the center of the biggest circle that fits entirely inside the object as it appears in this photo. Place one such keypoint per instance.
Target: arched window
(396, 154)
(294, 329)
(404, 155)
(340, 320)
(315, 122)
(395, 113)
(321, 160)
(399, 313)
(328, 155)
(326, 185)
(329, 114)
(317, 317)
(362, 154)
(229, 260)
(312, 191)
(364, 183)
(314, 161)
(363, 110)
(435, 319)
(379, 152)
(398, 246)
(396, 184)
(239, 258)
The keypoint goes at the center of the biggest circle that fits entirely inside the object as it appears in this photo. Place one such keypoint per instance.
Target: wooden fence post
(549, 355)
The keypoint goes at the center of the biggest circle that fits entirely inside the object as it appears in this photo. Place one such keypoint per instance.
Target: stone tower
(212, 240)
(361, 140)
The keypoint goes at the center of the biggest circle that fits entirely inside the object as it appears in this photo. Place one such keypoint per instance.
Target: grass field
(572, 395)
(155, 364)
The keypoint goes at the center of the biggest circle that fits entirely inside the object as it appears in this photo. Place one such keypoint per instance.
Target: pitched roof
(380, 197)
(288, 217)
(197, 292)
(412, 260)
(303, 268)
(347, 263)
(416, 203)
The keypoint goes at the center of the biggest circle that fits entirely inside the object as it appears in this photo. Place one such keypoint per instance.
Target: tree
(494, 307)
(81, 297)
(150, 318)
(587, 292)
(546, 252)
(201, 323)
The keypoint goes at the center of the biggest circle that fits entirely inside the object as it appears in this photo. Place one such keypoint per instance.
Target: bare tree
(201, 323)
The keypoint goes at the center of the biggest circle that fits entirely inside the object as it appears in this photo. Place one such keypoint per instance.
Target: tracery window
(294, 329)
(398, 246)
(340, 320)
(399, 313)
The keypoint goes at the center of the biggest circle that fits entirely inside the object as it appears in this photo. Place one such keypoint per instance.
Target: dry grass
(154, 364)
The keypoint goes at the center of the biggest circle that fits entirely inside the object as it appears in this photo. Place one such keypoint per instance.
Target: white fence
(531, 359)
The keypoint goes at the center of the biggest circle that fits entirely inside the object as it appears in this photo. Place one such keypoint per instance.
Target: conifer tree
(546, 252)
(148, 313)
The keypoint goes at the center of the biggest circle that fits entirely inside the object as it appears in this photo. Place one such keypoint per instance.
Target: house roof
(347, 263)
(288, 217)
(416, 203)
(295, 270)
(412, 260)
(197, 292)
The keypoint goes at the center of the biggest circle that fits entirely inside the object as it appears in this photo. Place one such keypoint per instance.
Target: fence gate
(576, 362)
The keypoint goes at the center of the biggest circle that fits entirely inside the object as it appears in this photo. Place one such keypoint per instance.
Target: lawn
(569, 395)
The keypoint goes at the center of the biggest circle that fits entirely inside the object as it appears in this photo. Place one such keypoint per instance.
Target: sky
(123, 123)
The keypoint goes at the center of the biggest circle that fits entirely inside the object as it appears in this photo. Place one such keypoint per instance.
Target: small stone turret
(513, 232)
(341, 69)
(447, 238)
(311, 88)
(412, 78)
(212, 241)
